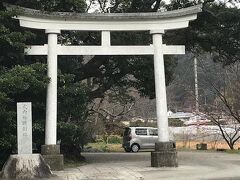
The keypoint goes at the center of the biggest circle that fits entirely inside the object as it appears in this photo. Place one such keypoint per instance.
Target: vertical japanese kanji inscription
(24, 127)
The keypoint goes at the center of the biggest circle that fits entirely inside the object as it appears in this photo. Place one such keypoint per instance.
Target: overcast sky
(96, 8)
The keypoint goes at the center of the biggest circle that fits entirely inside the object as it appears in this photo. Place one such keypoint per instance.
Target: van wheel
(135, 148)
(127, 150)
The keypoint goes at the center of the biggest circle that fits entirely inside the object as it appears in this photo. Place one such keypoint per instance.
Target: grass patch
(104, 147)
(181, 146)
(234, 151)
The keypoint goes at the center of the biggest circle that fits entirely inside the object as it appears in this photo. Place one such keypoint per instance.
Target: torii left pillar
(165, 154)
(51, 151)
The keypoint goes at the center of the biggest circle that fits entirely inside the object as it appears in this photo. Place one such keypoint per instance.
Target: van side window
(153, 132)
(141, 131)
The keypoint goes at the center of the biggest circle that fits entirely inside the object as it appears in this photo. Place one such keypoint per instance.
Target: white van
(136, 138)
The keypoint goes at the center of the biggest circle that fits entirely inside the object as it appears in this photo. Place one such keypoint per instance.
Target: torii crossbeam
(104, 50)
(156, 23)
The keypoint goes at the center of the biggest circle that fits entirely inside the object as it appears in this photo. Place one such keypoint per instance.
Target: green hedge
(114, 139)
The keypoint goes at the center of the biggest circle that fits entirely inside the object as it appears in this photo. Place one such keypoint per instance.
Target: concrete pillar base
(52, 156)
(165, 155)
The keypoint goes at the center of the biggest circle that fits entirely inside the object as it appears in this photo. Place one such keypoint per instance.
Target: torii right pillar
(165, 154)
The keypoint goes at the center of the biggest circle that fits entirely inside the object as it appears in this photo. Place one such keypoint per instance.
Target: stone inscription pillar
(24, 127)
(51, 151)
(165, 154)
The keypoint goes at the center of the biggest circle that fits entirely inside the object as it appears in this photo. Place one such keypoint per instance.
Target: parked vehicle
(136, 138)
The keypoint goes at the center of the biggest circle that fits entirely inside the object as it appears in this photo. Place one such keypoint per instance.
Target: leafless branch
(90, 4)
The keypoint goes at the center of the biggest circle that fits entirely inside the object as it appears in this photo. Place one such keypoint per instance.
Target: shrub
(104, 147)
(99, 140)
(73, 137)
(114, 139)
(175, 123)
(114, 128)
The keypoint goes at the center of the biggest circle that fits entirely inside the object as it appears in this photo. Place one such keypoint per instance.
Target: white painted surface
(52, 31)
(51, 104)
(24, 127)
(106, 38)
(36, 50)
(104, 50)
(160, 88)
(97, 25)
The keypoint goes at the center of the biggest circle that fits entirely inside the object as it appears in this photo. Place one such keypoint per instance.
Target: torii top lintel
(175, 19)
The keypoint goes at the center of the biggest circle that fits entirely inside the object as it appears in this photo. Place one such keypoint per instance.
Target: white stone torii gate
(156, 23)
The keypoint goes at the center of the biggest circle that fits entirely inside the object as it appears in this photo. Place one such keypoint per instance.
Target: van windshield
(127, 131)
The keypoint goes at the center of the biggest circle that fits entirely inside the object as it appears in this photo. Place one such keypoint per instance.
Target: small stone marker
(24, 127)
(25, 165)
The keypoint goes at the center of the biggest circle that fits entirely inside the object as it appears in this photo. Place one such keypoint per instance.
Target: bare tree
(230, 133)
(219, 95)
(108, 112)
(224, 111)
